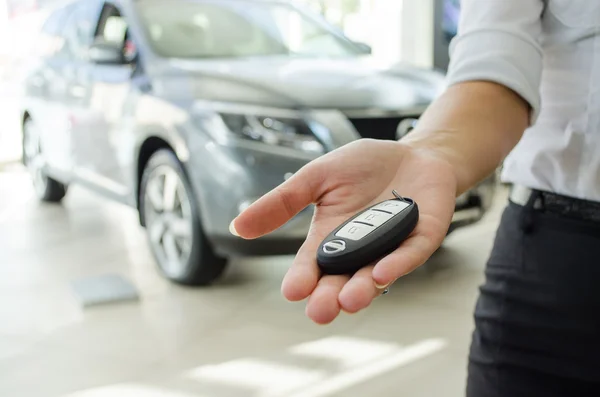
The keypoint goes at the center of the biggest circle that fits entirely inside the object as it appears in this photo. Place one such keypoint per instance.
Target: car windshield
(234, 29)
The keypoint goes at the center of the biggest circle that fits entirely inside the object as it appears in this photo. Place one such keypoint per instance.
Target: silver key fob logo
(334, 246)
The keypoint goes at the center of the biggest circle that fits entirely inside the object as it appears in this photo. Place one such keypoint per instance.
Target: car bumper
(271, 246)
(226, 180)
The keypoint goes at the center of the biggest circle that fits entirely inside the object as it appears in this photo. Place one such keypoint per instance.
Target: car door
(78, 34)
(104, 138)
(47, 91)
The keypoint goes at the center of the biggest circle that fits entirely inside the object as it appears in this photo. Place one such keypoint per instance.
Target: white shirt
(548, 51)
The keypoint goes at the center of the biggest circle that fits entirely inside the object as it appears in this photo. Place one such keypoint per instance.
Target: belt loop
(535, 201)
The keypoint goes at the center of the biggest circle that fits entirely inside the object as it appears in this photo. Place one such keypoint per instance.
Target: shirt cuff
(501, 57)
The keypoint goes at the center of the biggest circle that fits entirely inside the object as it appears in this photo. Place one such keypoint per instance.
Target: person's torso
(561, 152)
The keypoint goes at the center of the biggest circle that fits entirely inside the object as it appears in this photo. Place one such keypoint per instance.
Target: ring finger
(359, 292)
(323, 306)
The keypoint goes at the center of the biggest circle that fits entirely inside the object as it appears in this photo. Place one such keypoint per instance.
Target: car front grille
(379, 127)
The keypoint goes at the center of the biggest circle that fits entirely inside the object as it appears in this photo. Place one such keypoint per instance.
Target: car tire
(172, 219)
(47, 189)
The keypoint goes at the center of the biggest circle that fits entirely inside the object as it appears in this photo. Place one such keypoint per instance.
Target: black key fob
(368, 236)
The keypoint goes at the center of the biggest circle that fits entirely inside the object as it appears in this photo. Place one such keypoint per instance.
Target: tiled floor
(238, 338)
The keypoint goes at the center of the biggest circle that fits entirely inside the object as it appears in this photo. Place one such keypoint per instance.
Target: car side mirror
(106, 54)
(364, 48)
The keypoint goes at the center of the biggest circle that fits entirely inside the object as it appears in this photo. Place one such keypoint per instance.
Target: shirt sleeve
(499, 41)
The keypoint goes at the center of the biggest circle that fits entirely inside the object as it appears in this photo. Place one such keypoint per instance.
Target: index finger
(280, 205)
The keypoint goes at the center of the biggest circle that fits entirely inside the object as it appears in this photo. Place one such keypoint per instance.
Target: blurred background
(133, 131)
(417, 33)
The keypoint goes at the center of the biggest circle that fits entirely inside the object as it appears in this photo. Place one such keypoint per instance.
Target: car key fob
(368, 236)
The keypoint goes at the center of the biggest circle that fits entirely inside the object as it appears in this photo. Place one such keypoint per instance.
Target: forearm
(473, 126)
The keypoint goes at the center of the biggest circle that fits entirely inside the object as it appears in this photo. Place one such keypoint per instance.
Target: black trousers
(537, 319)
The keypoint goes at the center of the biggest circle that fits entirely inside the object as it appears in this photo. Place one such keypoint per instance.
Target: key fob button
(393, 206)
(355, 231)
(375, 218)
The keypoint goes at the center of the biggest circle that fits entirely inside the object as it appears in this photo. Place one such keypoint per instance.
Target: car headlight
(262, 126)
(287, 132)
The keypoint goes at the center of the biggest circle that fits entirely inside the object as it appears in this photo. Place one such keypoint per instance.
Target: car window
(114, 29)
(302, 36)
(237, 29)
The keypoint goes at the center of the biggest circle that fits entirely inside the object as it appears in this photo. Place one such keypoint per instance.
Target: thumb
(281, 204)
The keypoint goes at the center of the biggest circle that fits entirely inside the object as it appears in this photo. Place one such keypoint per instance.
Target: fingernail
(378, 286)
(232, 229)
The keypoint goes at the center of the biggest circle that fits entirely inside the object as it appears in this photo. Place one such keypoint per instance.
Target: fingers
(359, 292)
(336, 293)
(323, 306)
(414, 252)
(279, 205)
(302, 278)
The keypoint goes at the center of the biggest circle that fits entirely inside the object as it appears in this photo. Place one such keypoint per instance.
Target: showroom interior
(96, 298)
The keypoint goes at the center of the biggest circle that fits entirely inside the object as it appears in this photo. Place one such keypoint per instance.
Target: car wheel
(46, 188)
(172, 220)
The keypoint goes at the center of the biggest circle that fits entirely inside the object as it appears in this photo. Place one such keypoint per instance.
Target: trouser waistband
(555, 203)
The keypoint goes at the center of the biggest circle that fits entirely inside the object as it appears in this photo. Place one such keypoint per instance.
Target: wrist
(441, 146)
(472, 127)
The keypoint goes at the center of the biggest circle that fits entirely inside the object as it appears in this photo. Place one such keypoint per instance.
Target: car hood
(357, 83)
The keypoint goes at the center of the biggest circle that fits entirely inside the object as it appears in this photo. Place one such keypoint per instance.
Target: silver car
(188, 111)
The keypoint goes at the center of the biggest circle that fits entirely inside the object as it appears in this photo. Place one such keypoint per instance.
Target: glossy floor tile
(238, 338)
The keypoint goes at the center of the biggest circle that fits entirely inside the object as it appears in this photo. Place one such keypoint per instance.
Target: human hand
(341, 184)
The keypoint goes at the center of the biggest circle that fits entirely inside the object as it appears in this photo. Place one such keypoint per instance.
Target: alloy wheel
(169, 220)
(34, 158)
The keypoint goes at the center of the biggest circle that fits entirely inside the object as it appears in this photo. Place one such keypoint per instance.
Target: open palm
(341, 184)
